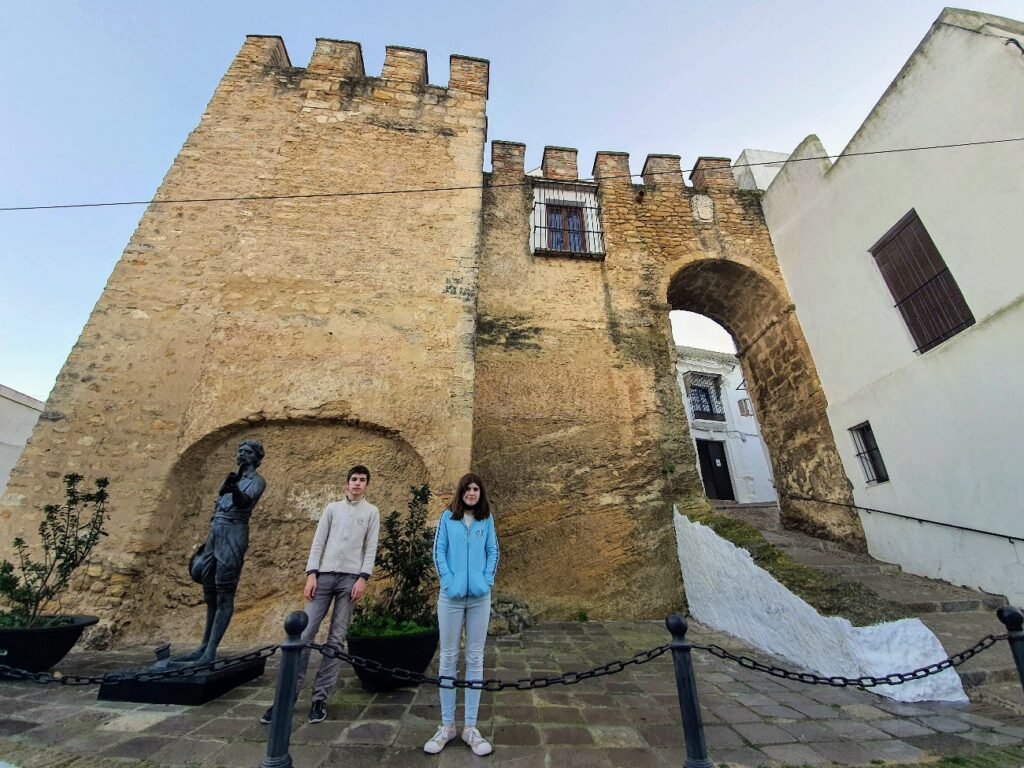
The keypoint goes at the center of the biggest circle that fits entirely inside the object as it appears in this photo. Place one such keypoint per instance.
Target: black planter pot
(412, 652)
(39, 648)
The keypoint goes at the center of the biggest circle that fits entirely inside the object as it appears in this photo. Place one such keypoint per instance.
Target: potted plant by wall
(397, 626)
(34, 633)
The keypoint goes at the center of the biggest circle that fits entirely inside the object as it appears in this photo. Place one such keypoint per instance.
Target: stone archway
(783, 384)
(305, 467)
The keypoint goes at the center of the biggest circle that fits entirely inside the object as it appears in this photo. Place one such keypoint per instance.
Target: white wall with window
(906, 273)
(565, 219)
(719, 411)
(18, 416)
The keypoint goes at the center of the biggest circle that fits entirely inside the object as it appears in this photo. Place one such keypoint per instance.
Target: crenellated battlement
(337, 60)
(660, 171)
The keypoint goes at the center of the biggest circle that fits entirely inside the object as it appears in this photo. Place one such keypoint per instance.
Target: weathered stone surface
(336, 329)
(417, 334)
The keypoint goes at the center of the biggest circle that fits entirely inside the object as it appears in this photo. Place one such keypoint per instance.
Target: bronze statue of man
(218, 564)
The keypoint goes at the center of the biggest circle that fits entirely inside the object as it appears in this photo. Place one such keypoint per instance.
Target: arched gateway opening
(782, 383)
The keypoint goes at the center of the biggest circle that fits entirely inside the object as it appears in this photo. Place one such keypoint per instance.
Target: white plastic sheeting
(728, 592)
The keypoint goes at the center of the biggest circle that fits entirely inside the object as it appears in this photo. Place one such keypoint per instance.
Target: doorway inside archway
(745, 316)
(732, 459)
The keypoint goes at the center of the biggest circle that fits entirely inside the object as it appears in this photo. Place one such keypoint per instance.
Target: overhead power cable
(431, 190)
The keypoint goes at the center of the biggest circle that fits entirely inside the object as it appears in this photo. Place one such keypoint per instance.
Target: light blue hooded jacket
(466, 558)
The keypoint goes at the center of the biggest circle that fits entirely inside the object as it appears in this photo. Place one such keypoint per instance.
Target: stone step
(921, 595)
(1007, 695)
(840, 563)
(959, 616)
(764, 517)
(959, 631)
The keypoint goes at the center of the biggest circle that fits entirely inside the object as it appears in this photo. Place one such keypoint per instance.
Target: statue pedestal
(197, 689)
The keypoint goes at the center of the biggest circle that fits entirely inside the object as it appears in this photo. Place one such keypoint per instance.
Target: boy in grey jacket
(340, 563)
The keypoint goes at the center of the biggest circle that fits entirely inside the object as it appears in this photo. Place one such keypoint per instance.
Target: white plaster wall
(947, 422)
(745, 450)
(757, 168)
(18, 416)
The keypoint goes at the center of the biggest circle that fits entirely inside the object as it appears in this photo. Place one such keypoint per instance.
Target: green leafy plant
(68, 533)
(406, 567)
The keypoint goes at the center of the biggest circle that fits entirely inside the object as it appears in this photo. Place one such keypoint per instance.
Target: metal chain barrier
(520, 684)
(47, 678)
(491, 684)
(896, 678)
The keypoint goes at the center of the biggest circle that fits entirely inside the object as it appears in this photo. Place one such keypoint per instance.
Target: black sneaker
(318, 712)
(267, 716)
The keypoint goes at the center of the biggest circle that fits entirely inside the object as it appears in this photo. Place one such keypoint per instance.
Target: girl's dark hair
(458, 508)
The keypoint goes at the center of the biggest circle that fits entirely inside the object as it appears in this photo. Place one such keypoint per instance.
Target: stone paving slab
(627, 719)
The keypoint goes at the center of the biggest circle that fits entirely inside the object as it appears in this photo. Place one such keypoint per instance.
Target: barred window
(565, 228)
(925, 292)
(566, 220)
(705, 393)
(868, 454)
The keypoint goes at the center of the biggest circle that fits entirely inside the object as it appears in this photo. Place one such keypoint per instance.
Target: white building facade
(731, 455)
(907, 276)
(18, 416)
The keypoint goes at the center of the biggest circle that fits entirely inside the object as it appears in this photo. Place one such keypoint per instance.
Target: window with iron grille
(566, 220)
(925, 292)
(868, 454)
(705, 393)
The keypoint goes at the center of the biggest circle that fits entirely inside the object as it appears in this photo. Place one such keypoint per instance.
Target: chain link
(896, 678)
(521, 684)
(113, 678)
(491, 684)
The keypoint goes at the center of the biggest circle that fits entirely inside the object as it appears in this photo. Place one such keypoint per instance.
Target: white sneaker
(477, 743)
(445, 733)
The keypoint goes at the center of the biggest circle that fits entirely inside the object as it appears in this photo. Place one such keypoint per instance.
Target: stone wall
(579, 424)
(415, 333)
(340, 329)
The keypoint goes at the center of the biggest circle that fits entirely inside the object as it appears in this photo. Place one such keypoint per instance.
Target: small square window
(566, 221)
(746, 409)
(868, 454)
(704, 391)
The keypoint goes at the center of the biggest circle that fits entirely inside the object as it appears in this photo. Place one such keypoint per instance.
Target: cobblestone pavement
(628, 719)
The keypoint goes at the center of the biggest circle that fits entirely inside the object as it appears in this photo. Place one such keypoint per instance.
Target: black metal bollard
(689, 706)
(284, 697)
(1013, 620)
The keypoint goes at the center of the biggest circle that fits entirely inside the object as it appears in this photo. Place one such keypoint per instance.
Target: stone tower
(339, 330)
(512, 323)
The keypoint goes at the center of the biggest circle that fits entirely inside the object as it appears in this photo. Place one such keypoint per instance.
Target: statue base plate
(199, 689)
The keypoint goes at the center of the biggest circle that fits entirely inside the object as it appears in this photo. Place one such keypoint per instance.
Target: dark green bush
(67, 535)
(405, 566)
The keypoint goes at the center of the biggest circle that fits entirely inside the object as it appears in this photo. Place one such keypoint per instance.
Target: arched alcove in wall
(305, 467)
(782, 383)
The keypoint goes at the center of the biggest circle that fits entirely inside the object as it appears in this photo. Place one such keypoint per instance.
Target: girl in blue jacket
(466, 557)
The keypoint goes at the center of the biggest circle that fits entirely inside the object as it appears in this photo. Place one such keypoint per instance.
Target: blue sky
(99, 97)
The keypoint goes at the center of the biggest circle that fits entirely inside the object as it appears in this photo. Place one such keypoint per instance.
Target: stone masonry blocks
(612, 168)
(662, 171)
(427, 347)
(469, 74)
(712, 172)
(337, 58)
(405, 64)
(559, 163)
(508, 160)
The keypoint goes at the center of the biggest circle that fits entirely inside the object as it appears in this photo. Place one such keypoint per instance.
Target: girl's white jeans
(473, 613)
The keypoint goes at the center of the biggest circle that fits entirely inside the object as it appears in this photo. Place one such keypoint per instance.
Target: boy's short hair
(358, 469)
